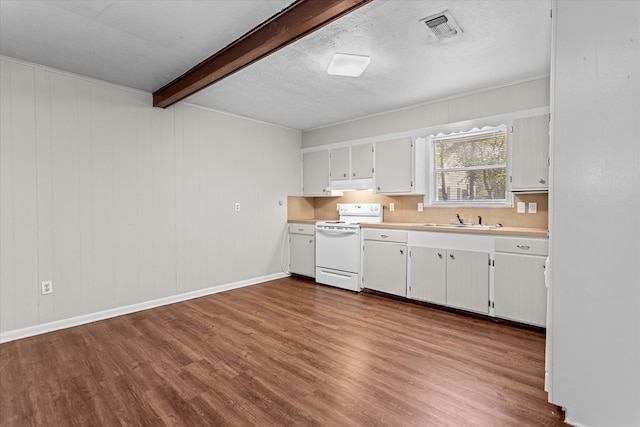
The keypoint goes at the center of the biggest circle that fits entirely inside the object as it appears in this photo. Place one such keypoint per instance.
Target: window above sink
(469, 168)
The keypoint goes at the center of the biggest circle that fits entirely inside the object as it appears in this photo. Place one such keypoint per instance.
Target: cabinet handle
(439, 255)
(378, 188)
(354, 174)
(401, 251)
(523, 247)
(310, 240)
(384, 236)
(451, 256)
(344, 175)
(541, 181)
(300, 229)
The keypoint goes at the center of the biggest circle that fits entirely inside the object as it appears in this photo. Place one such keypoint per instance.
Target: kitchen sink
(471, 226)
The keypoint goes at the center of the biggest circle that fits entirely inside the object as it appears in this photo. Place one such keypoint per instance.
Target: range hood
(351, 184)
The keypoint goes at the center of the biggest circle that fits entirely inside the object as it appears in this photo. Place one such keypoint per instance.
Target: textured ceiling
(146, 44)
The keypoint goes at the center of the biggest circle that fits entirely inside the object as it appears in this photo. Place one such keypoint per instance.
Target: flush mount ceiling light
(348, 65)
(442, 25)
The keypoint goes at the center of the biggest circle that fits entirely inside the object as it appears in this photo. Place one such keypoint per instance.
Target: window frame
(432, 178)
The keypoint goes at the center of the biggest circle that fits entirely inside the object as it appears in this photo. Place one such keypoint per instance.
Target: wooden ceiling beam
(296, 21)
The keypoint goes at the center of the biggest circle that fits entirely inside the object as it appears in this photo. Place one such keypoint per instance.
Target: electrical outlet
(420, 207)
(521, 207)
(237, 207)
(392, 207)
(47, 287)
(533, 207)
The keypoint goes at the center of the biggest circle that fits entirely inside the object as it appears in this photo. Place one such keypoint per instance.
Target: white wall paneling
(121, 204)
(18, 217)
(594, 203)
(499, 101)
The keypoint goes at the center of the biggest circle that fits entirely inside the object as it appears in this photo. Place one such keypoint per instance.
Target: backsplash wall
(406, 209)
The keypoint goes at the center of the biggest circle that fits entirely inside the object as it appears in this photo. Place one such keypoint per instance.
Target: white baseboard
(119, 311)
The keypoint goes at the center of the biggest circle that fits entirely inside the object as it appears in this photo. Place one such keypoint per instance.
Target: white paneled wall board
(85, 191)
(191, 207)
(595, 166)
(8, 300)
(121, 204)
(44, 189)
(498, 101)
(65, 132)
(18, 218)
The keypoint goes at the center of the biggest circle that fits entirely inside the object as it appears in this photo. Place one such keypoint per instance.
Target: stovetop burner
(352, 215)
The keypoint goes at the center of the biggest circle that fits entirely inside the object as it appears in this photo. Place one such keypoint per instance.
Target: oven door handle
(332, 231)
(334, 274)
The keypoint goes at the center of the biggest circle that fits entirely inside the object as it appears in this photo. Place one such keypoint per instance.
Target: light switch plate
(521, 207)
(533, 207)
(392, 207)
(420, 207)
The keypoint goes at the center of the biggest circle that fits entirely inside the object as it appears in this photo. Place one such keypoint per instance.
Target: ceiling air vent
(442, 25)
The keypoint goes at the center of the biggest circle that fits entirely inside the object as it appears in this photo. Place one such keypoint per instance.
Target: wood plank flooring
(283, 353)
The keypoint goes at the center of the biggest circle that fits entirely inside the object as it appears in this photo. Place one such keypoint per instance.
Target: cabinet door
(339, 159)
(315, 173)
(530, 158)
(385, 267)
(468, 280)
(393, 166)
(519, 290)
(302, 255)
(428, 274)
(362, 161)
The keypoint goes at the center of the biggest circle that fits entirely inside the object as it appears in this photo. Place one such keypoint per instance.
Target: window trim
(430, 200)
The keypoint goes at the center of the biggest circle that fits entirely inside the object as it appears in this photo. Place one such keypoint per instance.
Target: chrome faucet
(459, 219)
(479, 220)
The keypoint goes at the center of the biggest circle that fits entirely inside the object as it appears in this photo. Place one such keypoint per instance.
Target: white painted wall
(491, 102)
(594, 213)
(120, 203)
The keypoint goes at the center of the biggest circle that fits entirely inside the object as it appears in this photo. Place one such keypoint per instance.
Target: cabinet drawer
(386, 235)
(522, 246)
(309, 229)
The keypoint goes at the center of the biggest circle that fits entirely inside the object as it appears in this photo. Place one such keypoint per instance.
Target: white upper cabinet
(400, 166)
(340, 162)
(315, 173)
(351, 167)
(362, 161)
(530, 154)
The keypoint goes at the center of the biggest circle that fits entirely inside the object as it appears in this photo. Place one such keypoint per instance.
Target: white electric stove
(338, 245)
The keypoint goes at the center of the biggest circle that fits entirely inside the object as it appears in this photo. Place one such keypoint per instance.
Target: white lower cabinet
(468, 280)
(384, 265)
(520, 293)
(455, 278)
(302, 249)
(428, 274)
(455, 270)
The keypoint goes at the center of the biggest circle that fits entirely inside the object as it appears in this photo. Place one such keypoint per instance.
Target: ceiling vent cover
(442, 25)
